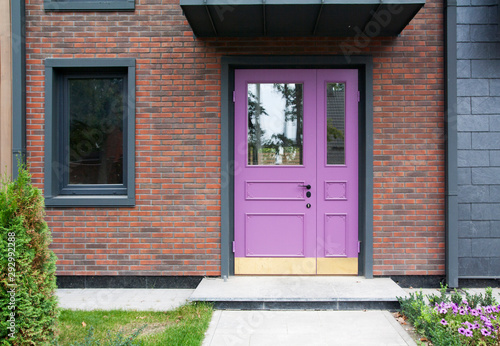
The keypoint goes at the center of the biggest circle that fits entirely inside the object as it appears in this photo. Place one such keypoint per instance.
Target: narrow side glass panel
(335, 123)
(96, 130)
(275, 120)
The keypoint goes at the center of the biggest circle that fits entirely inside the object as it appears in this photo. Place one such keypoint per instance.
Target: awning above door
(292, 18)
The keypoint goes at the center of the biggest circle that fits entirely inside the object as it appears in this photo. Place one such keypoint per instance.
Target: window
(89, 132)
(89, 5)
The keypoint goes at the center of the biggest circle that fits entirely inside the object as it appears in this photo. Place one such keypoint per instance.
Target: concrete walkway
(260, 327)
(311, 328)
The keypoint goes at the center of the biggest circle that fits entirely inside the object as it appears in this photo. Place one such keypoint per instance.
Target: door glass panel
(275, 118)
(335, 123)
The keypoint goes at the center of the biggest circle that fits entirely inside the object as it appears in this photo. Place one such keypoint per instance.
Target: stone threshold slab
(297, 289)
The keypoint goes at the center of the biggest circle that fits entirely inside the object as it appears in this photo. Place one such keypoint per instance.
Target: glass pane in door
(275, 120)
(335, 123)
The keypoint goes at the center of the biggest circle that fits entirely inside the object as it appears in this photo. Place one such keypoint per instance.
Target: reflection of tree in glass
(278, 146)
(255, 132)
(96, 130)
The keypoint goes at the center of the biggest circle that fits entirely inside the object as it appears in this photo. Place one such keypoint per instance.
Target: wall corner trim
(18, 85)
(451, 218)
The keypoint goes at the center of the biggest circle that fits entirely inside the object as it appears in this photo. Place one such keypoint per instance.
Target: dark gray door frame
(364, 64)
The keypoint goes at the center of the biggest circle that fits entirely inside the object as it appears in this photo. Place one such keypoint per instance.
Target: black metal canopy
(336, 18)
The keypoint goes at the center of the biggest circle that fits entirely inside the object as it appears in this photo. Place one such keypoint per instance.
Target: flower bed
(453, 319)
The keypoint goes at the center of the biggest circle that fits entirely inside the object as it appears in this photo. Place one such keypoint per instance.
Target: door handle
(306, 186)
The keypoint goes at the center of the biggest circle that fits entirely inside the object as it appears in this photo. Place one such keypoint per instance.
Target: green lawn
(183, 326)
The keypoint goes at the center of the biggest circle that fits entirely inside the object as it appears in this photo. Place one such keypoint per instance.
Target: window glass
(96, 130)
(275, 118)
(335, 123)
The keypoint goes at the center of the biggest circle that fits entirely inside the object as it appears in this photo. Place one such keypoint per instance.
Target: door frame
(364, 65)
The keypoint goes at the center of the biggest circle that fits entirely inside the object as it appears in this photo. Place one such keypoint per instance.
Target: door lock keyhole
(308, 205)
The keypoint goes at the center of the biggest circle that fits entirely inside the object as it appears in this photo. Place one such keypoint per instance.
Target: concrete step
(299, 293)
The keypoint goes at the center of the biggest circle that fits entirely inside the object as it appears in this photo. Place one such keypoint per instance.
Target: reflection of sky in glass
(274, 104)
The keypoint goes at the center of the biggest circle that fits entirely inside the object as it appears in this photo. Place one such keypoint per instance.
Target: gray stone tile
(463, 69)
(495, 123)
(473, 158)
(463, 3)
(495, 158)
(485, 247)
(495, 229)
(464, 212)
(473, 193)
(485, 68)
(494, 87)
(495, 268)
(464, 247)
(472, 123)
(485, 211)
(469, 266)
(472, 87)
(495, 193)
(463, 105)
(485, 105)
(489, 176)
(464, 176)
(464, 140)
(475, 15)
(483, 2)
(484, 33)
(474, 50)
(473, 229)
(463, 33)
(486, 140)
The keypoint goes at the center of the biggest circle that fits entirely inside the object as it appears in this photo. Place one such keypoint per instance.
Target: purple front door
(296, 172)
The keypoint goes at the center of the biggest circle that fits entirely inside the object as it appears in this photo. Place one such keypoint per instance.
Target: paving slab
(261, 328)
(123, 299)
(300, 292)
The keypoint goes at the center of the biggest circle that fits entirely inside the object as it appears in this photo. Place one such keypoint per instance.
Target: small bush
(28, 305)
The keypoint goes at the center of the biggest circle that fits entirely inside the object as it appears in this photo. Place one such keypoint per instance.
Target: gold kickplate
(295, 266)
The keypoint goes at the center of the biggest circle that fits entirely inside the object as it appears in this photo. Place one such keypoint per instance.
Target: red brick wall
(174, 229)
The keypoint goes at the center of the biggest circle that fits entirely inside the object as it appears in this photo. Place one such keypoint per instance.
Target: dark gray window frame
(89, 5)
(364, 65)
(105, 196)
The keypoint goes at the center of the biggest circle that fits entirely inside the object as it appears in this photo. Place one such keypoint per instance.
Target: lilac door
(296, 167)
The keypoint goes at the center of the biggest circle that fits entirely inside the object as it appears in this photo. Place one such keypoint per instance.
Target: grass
(183, 326)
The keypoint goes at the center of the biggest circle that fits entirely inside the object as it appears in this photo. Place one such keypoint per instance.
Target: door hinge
(234, 96)
(359, 96)
(234, 246)
(359, 246)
